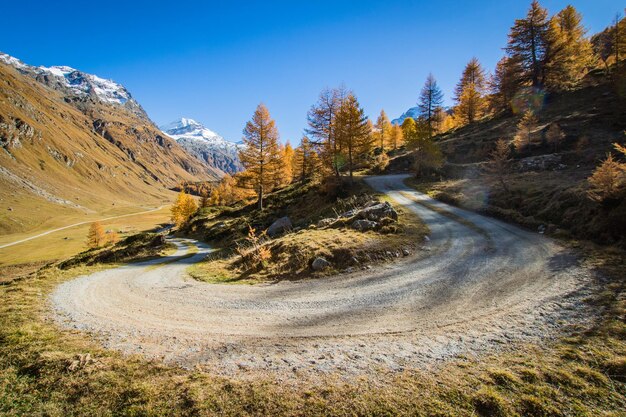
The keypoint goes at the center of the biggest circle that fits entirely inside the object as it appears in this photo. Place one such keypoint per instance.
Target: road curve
(478, 283)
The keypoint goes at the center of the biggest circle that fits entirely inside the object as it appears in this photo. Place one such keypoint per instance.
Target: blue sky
(215, 61)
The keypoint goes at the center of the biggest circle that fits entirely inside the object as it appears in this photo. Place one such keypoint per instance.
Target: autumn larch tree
(306, 161)
(469, 93)
(505, 83)
(321, 121)
(96, 236)
(554, 136)
(287, 156)
(353, 131)
(184, 207)
(383, 130)
(431, 99)
(396, 138)
(608, 179)
(569, 51)
(499, 162)
(260, 154)
(528, 44)
(525, 129)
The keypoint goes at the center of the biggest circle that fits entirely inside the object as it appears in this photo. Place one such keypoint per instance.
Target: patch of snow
(9, 60)
(413, 112)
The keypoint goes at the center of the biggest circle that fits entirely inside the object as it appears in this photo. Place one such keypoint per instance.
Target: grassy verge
(290, 256)
(46, 371)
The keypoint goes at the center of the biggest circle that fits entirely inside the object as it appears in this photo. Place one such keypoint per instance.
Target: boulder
(363, 225)
(281, 225)
(378, 211)
(319, 264)
(325, 222)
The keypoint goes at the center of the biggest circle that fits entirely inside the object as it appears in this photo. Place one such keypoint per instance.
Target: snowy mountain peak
(78, 82)
(204, 144)
(190, 129)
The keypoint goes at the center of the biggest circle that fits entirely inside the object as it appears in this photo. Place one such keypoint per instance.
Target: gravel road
(477, 285)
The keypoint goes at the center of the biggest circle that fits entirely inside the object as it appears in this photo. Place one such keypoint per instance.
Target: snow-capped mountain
(205, 144)
(78, 84)
(413, 112)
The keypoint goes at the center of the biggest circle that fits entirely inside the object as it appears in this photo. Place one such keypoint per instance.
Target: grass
(66, 243)
(41, 372)
(291, 255)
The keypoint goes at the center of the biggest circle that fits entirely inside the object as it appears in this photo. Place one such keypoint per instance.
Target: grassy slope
(46, 371)
(127, 170)
(292, 254)
(554, 198)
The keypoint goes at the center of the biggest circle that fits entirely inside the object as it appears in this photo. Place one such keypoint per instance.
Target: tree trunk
(261, 197)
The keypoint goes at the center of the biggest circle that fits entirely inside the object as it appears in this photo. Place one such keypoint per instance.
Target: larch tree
(321, 121)
(555, 136)
(396, 138)
(287, 156)
(525, 130)
(96, 237)
(383, 130)
(184, 207)
(431, 99)
(528, 44)
(570, 52)
(607, 180)
(470, 92)
(504, 84)
(353, 131)
(260, 155)
(306, 161)
(409, 130)
(499, 161)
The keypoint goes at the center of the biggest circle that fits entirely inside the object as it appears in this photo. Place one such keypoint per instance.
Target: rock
(281, 225)
(325, 222)
(378, 211)
(405, 252)
(541, 229)
(363, 225)
(319, 264)
(10, 209)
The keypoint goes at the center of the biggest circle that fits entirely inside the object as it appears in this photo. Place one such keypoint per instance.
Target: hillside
(74, 145)
(547, 187)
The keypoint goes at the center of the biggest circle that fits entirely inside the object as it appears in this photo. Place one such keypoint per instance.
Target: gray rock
(319, 264)
(363, 225)
(281, 225)
(379, 211)
(325, 222)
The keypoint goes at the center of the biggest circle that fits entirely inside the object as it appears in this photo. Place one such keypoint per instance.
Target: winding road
(477, 284)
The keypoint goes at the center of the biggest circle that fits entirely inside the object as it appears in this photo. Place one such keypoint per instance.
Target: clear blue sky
(215, 61)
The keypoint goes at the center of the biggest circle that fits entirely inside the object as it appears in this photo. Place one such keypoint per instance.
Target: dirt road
(477, 284)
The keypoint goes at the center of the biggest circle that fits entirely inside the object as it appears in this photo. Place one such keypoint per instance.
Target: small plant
(253, 251)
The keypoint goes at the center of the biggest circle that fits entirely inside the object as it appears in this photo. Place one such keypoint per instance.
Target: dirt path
(6, 245)
(477, 284)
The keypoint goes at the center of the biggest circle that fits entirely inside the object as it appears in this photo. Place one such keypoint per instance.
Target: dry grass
(41, 373)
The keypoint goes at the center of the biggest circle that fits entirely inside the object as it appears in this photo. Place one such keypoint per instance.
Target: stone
(281, 225)
(379, 211)
(363, 225)
(320, 264)
(325, 222)
(405, 252)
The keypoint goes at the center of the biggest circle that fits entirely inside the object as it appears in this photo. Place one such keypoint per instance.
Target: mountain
(205, 144)
(413, 112)
(73, 143)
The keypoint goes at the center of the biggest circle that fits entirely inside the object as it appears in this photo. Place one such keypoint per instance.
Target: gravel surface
(477, 285)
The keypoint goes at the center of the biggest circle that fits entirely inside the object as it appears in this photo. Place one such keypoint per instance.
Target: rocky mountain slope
(413, 113)
(205, 144)
(72, 143)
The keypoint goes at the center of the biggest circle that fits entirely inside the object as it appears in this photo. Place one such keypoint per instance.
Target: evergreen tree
(499, 162)
(473, 73)
(525, 129)
(554, 136)
(430, 100)
(409, 131)
(353, 131)
(383, 130)
(260, 156)
(287, 157)
(570, 52)
(96, 236)
(528, 44)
